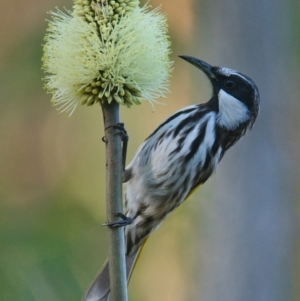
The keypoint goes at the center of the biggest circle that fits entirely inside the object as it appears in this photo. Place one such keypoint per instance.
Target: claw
(122, 132)
(124, 137)
(123, 223)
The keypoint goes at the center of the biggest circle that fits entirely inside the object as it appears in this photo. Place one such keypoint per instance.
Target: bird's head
(235, 96)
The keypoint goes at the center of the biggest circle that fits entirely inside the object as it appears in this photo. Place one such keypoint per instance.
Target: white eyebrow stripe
(228, 72)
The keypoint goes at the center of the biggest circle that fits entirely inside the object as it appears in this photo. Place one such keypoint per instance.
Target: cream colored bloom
(106, 52)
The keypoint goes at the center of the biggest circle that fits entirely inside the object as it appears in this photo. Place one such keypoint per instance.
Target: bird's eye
(229, 84)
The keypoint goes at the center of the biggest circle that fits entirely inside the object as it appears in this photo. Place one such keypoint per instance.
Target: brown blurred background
(235, 240)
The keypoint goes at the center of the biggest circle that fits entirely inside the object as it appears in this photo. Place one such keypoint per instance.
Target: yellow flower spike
(106, 50)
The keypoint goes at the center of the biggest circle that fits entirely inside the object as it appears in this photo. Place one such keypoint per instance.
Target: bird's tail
(100, 288)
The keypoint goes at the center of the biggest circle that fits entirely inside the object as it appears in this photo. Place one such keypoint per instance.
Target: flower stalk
(116, 241)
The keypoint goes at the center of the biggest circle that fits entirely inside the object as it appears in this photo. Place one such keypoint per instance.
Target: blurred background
(236, 239)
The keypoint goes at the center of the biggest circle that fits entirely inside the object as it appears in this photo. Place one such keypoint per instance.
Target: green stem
(117, 266)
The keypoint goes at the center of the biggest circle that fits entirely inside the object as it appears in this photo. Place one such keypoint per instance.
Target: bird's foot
(122, 223)
(124, 137)
(121, 132)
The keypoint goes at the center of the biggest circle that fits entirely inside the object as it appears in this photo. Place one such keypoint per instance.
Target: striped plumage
(181, 154)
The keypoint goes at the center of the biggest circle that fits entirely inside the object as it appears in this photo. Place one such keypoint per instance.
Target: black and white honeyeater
(179, 156)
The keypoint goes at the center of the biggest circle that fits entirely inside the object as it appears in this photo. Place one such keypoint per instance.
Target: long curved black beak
(205, 67)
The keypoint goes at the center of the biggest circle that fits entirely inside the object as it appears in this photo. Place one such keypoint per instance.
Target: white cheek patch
(232, 112)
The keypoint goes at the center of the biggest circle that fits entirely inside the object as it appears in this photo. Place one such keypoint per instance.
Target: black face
(232, 82)
(236, 84)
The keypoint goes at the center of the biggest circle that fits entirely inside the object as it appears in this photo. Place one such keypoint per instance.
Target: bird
(178, 157)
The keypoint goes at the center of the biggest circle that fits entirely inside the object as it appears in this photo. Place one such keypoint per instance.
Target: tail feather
(100, 288)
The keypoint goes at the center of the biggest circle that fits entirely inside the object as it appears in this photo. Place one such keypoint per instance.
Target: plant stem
(117, 266)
